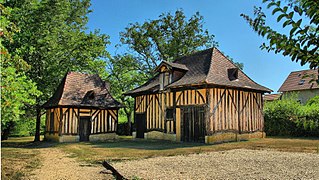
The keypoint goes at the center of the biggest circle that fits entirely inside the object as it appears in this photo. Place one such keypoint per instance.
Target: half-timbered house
(81, 109)
(202, 97)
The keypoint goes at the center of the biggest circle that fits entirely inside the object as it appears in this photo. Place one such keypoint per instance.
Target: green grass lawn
(20, 155)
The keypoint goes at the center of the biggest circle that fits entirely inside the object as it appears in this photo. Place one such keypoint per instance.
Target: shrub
(287, 117)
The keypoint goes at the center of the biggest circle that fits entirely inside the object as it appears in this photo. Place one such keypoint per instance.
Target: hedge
(287, 117)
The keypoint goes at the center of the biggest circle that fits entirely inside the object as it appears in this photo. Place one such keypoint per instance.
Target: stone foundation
(51, 137)
(229, 136)
(76, 138)
(103, 137)
(69, 138)
(134, 134)
(160, 136)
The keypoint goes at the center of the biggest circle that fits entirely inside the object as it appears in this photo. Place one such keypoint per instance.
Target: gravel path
(233, 164)
(56, 165)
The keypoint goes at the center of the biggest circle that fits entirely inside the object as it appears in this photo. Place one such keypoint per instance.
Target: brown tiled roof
(300, 80)
(82, 90)
(271, 97)
(209, 67)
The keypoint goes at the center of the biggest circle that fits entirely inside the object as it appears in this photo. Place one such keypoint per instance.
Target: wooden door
(193, 124)
(85, 128)
(140, 121)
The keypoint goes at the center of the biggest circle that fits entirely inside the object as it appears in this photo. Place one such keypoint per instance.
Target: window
(90, 94)
(165, 79)
(232, 74)
(301, 82)
(161, 79)
(169, 113)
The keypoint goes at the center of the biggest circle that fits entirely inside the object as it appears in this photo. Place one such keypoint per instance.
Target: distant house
(202, 97)
(299, 82)
(81, 109)
(272, 97)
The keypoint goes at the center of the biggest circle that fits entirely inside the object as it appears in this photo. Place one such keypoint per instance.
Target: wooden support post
(174, 111)
(239, 111)
(60, 122)
(165, 122)
(207, 112)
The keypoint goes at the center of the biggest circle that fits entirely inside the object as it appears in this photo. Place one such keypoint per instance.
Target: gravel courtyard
(232, 164)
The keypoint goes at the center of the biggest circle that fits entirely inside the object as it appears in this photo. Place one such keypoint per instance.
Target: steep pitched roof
(209, 67)
(300, 80)
(82, 90)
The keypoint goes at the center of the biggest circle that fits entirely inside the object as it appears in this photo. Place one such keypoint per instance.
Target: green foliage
(301, 43)
(124, 76)
(166, 38)
(52, 40)
(287, 117)
(17, 90)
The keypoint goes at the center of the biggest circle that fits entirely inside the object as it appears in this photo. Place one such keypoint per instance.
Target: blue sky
(222, 18)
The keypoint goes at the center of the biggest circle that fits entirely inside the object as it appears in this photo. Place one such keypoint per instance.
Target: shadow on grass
(26, 142)
(143, 144)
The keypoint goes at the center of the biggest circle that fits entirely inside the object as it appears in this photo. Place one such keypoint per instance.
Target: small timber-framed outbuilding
(203, 97)
(81, 109)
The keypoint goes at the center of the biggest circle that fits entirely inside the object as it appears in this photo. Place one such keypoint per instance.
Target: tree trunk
(38, 124)
(6, 132)
(129, 122)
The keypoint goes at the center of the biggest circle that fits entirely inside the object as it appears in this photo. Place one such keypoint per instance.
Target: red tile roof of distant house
(271, 97)
(300, 80)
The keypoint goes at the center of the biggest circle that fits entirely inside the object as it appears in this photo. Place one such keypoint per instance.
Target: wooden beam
(207, 112)
(60, 122)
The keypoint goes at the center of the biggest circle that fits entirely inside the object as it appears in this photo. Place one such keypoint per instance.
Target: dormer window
(301, 82)
(90, 94)
(165, 79)
(166, 71)
(232, 74)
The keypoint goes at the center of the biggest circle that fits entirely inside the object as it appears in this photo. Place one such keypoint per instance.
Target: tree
(53, 41)
(302, 19)
(167, 38)
(124, 76)
(17, 90)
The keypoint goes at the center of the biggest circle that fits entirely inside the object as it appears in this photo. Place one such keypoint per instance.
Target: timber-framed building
(202, 97)
(81, 109)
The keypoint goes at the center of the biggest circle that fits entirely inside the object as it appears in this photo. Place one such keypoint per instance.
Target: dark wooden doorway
(85, 128)
(193, 124)
(140, 121)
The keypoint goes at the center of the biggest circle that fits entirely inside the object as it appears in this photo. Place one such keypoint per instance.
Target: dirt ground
(56, 165)
(232, 164)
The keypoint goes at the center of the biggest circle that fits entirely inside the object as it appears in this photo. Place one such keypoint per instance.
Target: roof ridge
(210, 64)
(303, 70)
(192, 54)
(63, 84)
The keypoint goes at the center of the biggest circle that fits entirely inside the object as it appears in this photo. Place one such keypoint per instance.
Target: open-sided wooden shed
(203, 97)
(81, 109)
